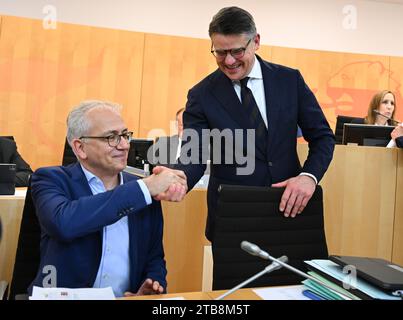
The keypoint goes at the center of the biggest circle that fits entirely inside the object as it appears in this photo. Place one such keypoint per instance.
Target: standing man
(100, 226)
(246, 92)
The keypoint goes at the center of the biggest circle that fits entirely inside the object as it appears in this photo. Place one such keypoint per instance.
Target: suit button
(270, 164)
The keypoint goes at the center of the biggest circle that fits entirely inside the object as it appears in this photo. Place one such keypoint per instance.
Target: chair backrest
(340, 121)
(252, 214)
(28, 250)
(8, 137)
(68, 155)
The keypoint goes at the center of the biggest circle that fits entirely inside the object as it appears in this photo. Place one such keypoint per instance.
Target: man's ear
(256, 40)
(78, 148)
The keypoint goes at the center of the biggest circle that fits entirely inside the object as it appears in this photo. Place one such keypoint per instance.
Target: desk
(242, 294)
(363, 206)
(185, 295)
(10, 215)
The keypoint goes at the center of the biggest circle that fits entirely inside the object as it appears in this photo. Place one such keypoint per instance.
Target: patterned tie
(255, 117)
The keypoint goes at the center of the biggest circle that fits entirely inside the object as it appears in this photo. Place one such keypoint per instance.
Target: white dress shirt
(114, 268)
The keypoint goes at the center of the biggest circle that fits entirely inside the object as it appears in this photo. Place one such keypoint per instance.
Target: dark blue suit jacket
(213, 104)
(72, 221)
(399, 142)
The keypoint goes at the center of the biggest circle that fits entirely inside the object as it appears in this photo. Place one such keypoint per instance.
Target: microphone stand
(287, 266)
(271, 267)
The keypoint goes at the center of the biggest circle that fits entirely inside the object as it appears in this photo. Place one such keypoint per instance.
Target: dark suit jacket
(9, 154)
(72, 221)
(399, 142)
(213, 104)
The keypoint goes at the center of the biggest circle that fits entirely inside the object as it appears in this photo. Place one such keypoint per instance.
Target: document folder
(379, 272)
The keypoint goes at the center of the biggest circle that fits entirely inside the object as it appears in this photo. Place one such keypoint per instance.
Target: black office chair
(252, 214)
(340, 121)
(68, 155)
(28, 251)
(8, 137)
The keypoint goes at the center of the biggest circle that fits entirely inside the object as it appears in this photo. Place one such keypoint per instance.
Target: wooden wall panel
(397, 252)
(396, 84)
(343, 83)
(172, 65)
(359, 200)
(44, 73)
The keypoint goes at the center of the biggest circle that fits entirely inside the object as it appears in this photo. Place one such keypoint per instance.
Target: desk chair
(28, 251)
(340, 121)
(8, 137)
(68, 155)
(252, 214)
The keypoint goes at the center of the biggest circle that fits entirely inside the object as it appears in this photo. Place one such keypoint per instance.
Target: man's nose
(123, 144)
(229, 59)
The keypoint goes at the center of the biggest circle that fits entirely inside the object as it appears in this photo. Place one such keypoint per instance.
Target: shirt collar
(255, 73)
(92, 177)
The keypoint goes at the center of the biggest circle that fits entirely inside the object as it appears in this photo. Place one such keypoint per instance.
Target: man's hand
(167, 184)
(397, 132)
(296, 195)
(147, 288)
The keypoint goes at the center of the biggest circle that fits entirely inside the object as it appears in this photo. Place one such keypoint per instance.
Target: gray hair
(77, 121)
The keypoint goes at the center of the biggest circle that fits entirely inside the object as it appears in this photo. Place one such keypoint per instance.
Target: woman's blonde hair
(374, 105)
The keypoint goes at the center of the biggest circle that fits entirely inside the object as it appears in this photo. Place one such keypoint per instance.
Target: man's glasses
(113, 139)
(237, 53)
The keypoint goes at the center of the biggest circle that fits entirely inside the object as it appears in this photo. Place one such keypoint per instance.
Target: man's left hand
(298, 191)
(148, 287)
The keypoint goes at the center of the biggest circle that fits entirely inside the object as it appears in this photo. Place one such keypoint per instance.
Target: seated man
(9, 154)
(167, 149)
(100, 226)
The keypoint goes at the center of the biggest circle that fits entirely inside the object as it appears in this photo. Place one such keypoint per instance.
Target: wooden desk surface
(241, 294)
(10, 215)
(186, 296)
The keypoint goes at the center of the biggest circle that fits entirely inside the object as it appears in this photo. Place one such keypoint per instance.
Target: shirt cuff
(147, 195)
(309, 175)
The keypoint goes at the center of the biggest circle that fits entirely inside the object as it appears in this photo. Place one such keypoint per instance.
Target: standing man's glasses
(113, 139)
(237, 53)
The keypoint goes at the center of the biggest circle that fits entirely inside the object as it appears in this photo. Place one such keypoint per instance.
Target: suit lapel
(79, 178)
(223, 89)
(270, 91)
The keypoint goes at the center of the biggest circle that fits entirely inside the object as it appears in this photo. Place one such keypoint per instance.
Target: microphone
(271, 267)
(256, 251)
(382, 115)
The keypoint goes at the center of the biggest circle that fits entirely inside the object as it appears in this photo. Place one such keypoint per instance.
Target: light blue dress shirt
(114, 269)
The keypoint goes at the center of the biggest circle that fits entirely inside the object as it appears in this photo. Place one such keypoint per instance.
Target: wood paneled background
(45, 72)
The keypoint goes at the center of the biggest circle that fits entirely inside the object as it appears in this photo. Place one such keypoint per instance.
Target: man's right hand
(166, 184)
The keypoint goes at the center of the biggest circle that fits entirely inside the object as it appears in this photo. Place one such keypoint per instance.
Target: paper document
(391, 144)
(325, 291)
(39, 293)
(282, 293)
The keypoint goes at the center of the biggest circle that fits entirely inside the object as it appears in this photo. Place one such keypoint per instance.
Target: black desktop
(138, 154)
(367, 134)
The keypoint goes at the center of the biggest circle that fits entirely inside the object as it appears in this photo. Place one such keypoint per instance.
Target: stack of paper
(325, 292)
(39, 293)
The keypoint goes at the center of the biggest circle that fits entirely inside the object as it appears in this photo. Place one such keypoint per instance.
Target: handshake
(167, 184)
